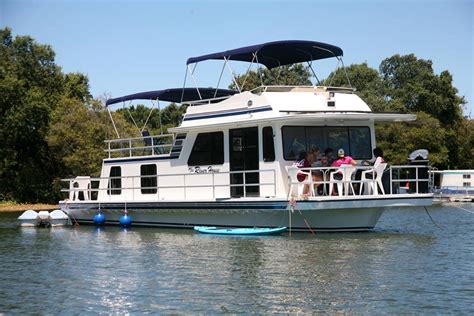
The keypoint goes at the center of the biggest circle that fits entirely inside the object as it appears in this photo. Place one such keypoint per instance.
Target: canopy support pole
(337, 67)
(232, 74)
(247, 72)
(194, 79)
(310, 65)
(345, 72)
(131, 116)
(259, 70)
(159, 115)
(184, 83)
(149, 115)
(219, 81)
(113, 122)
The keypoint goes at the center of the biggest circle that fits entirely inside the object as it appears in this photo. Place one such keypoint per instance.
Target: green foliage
(398, 140)
(30, 86)
(291, 75)
(50, 127)
(407, 84)
(413, 82)
(171, 116)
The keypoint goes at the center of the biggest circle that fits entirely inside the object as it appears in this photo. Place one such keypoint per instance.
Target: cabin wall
(459, 178)
(177, 181)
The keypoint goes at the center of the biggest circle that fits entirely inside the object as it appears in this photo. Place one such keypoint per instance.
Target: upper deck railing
(303, 89)
(140, 146)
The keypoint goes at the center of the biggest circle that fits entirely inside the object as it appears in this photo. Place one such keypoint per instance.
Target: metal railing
(140, 146)
(278, 88)
(85, 185)
(397, 179)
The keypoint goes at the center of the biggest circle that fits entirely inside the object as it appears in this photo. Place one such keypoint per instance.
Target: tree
(368, 84)
(51, 127)
(409, 85)
(292, 75)
(414, 83)
(30, 86)
(398, 140)
(171, 116)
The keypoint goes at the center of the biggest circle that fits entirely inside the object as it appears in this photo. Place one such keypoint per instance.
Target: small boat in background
(31, 218)
(239, 231)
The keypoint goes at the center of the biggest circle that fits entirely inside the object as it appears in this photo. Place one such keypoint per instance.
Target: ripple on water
(407, 265)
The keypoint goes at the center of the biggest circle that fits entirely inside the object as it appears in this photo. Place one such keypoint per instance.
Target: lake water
(406, 265)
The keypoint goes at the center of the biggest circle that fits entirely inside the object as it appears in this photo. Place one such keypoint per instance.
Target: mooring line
(462, 208)
(432, 218)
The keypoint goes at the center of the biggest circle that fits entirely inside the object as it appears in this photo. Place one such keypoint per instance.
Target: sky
(126, 47)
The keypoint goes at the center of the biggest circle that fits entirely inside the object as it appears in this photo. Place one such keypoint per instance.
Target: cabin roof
(274, 54)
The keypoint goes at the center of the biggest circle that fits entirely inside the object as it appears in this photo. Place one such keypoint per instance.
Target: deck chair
(80, 189)
(296, 187)
(370, 184)
(345, 182)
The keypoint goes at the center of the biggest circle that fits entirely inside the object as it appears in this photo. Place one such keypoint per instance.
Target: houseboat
(231, 162)
(454, 185)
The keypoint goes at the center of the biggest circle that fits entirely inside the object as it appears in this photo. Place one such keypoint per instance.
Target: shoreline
(23, 207)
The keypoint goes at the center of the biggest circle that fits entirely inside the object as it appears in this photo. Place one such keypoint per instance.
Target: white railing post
(244, 184)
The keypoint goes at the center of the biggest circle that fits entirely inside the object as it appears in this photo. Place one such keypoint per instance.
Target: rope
(432, 218)
(67, 213)
(462, 208)
(292, 204)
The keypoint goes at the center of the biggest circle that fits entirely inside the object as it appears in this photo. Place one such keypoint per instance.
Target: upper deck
(276, 103)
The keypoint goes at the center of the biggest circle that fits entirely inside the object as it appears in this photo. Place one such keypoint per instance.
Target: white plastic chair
(80, 184)
(370, 184)
(296, 187)
(346, 172)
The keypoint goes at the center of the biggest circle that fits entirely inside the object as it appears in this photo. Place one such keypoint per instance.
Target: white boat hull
(349, 214)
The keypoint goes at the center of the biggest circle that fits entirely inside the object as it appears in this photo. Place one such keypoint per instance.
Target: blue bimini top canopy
(177, 95)
(274, 54)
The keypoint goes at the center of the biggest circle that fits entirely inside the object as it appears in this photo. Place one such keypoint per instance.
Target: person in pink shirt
(342, 159)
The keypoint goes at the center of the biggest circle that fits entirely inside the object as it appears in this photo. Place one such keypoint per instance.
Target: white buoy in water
(58, 218)
(29, 218)
(43, 218)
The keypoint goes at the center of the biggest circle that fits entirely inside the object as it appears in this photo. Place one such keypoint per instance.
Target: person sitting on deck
(342, 159)
(378, 153)
(327, 159)
(307, 163)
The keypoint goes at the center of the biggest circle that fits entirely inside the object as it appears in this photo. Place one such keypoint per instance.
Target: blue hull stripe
(208, 116)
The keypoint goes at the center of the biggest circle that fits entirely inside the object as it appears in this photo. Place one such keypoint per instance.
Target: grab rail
(151, 144)
(87, 183)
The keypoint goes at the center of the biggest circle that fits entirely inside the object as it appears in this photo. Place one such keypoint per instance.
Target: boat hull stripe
(217, 115)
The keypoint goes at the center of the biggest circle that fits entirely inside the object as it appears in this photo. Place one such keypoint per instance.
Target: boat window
(115, 181)
(148, 179)
(294, 142)
(208, 149)
(268, 145)
(358, 140)
(298, 140)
